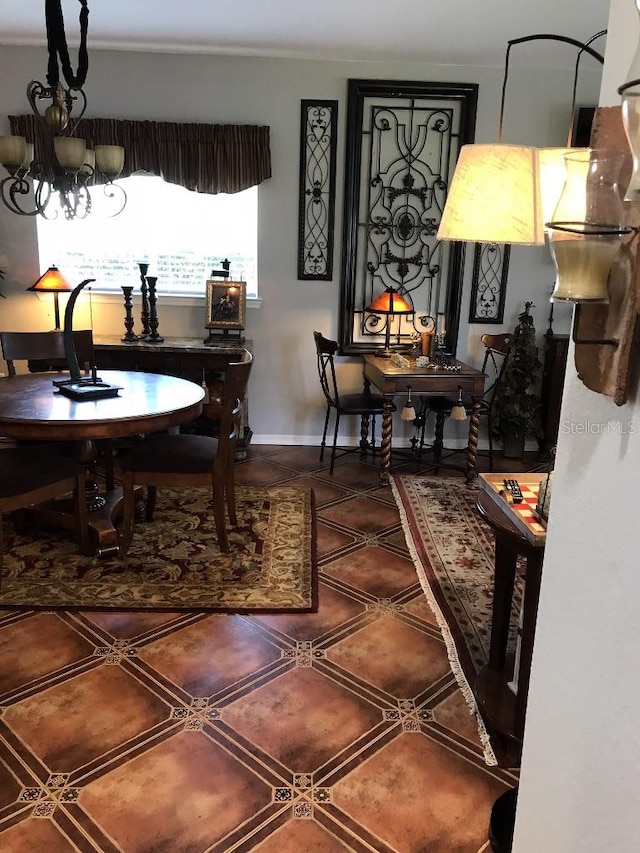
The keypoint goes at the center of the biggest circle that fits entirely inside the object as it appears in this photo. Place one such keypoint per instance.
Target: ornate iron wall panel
(318, 133)
(403, 140)
(489, 282)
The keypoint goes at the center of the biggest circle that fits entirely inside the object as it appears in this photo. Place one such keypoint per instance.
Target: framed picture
(226, 304)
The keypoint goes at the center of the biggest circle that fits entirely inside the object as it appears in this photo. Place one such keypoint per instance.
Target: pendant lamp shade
(494, 196)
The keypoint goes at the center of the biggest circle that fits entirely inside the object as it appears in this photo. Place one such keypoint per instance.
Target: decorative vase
(128, 318)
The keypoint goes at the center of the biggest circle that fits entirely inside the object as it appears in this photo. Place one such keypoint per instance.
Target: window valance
(207, 158)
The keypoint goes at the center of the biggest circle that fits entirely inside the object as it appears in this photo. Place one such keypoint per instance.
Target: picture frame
(226, 304)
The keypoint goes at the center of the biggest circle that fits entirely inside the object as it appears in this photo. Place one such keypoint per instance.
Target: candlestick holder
(128, 316)
(144, 317)
(153, 337)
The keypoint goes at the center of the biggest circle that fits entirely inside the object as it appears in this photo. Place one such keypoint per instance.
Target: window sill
(172, 299)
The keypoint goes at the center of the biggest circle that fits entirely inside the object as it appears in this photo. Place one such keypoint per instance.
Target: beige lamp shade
(12, 151)
(494, 196)
(109, 159)
(69, 152)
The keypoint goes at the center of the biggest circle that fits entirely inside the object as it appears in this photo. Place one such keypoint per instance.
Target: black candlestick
(145, 302)
(153, 337)
(128, 318)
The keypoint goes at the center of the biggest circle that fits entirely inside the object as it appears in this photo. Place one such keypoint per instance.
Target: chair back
(495, 358)
(44, 350)
(233, 394)
(326, 350)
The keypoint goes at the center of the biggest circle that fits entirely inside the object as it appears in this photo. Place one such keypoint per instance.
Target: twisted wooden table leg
(472, 447)
(385, 445)
(364, 434)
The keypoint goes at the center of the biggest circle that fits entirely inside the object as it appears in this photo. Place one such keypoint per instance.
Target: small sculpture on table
(144, 317)
(153, 337)
(128, 318)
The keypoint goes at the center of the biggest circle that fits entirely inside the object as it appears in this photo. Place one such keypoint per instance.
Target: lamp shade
(390, 302)
(552, 177)
(494, 196)
(52, 281)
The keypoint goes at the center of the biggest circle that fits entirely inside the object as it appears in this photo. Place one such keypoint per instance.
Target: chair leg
(438, 441)
(364, 435)
(80, 515)
(335, 442)
(324, 433)
(152, 495)
(490, 442)
(230, 492)
(219, 514)
(128, 510)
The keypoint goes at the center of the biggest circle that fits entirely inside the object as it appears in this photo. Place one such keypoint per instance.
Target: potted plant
(516, 412)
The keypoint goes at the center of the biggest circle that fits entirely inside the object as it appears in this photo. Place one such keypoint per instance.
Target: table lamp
(52, 281)
(390, 303)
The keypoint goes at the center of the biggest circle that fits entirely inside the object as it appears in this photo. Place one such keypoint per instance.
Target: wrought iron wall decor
(318, 134)
(489, 282)
(403, 140)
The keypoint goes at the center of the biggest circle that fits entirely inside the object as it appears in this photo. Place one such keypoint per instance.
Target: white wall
(286, 405)
(579, 785)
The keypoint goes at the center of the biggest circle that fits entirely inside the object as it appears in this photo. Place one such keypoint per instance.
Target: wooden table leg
(472, 446)
(532, 583)
(504, 580)
(385, 446)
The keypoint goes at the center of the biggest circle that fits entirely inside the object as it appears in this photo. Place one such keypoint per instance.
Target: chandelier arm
(57, 46)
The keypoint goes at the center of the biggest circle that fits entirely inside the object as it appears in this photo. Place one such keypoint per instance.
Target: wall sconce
(390, 303)
(52, 281)
(587, 228)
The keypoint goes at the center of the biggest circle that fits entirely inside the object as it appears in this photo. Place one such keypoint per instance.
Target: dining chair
(496, 349)
(363, 403)
(184, 460)
(31, 476)
(44, 351)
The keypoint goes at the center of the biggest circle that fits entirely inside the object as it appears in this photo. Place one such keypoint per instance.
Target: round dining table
(33, 408)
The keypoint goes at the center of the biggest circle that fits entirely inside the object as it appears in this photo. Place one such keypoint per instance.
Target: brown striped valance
(208, 158)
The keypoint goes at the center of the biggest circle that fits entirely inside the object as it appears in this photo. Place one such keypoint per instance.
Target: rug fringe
(452, 652)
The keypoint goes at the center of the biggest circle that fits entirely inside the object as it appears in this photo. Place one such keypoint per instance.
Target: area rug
(174, 562)
(453, 552)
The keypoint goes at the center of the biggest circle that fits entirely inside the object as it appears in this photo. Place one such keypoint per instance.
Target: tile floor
(342, 730)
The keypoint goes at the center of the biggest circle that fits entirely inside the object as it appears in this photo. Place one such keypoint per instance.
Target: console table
(187, 358)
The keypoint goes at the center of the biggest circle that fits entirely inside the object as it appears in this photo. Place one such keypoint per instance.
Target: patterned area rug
(174, 562)
(453, 552)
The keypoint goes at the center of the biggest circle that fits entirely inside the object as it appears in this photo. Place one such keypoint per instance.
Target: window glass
(182, 235)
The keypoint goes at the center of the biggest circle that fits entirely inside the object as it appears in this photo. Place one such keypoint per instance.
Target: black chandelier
(59, 165)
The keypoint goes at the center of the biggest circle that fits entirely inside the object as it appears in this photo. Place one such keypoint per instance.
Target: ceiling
(449, 32)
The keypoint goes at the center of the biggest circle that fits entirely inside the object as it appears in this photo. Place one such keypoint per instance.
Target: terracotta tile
(375, 570)
(354, 474)
(261, 472)
(298, 836)
(455, 714)
(324, 492)
(126, 625)
(420, 608)
(21, 646)
(329, 540)
(392, 656)
(363, 514)
(75, 722)
(33, 835)
(10, 787)
(302, 718)
(417, 795)
(211, 654)
(301, 458)
(334, 608)
(186, 788)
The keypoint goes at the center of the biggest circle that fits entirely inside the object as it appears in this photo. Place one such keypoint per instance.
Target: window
(182, 235)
